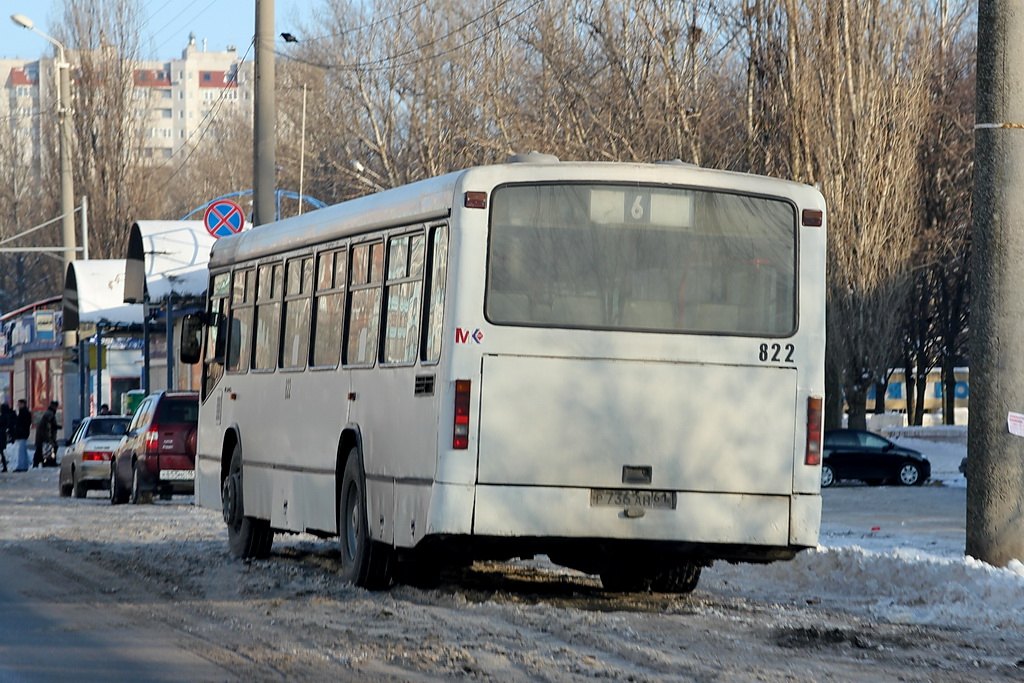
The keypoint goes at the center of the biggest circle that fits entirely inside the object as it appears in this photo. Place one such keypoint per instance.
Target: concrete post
(995, 474)
(264, 116)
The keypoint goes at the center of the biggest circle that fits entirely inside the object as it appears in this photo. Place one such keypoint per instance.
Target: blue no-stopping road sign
(223, 218)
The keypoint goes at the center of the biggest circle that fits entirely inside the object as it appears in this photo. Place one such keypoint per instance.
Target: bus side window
(240, 327)
(269, 286)
(437, 260)
(367, 271)
(298, 287)
(329, 307)
(404, 289)
(216, 336)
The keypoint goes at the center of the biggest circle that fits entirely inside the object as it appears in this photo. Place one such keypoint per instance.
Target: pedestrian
(46, 433)
(104, 409)
(22, 429)
(6, 425)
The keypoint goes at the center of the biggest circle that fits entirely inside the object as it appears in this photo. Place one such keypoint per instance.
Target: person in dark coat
(46, 433)
(6, 427)
(22, 428)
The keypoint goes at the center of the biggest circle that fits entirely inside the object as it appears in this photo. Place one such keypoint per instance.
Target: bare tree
(947, 207)
(108, 125)
(858, 94)
(936, 322)
(199, 172)
(24, 203)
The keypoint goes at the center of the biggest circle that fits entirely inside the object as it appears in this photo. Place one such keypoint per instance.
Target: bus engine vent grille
(424, 385)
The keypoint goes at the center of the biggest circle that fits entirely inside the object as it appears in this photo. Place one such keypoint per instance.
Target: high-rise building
(181, 98)
(177, 100)
(21, 108)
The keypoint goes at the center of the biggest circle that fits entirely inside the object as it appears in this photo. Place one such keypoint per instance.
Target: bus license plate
(177, 475)
(632, 498)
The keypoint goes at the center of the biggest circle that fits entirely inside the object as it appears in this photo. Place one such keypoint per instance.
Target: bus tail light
(460, 433)
(476, 200)
(812, 456)
(812, 218)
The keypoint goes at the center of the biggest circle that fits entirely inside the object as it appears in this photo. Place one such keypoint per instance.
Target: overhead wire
(364, 27)
(385, 62)
(151, 15)
(382, 63)
(156, 50)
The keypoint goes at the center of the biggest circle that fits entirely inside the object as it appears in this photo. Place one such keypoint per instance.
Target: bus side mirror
(191, 339)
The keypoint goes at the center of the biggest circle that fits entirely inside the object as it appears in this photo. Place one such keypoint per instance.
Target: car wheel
(910, 474)
(248, 537)
(117, 493)
(77, 486)
(138, 496)
(364, 562)
(63, 488)
(828, 477)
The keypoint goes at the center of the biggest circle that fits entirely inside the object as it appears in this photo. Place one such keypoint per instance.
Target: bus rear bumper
(769, 521)
(805, 519)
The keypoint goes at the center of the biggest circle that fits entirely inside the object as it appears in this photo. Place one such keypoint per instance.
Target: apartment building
(177, 99)
(29, 89)
(181, 97)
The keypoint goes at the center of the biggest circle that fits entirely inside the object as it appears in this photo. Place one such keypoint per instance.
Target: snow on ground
(891, 553)
(896, 553)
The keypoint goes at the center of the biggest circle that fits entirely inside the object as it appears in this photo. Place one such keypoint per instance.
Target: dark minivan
(158, 454)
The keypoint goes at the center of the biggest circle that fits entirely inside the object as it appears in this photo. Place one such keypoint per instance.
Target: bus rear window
(641, 258)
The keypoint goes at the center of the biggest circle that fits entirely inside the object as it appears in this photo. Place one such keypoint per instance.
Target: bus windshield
(632, 257)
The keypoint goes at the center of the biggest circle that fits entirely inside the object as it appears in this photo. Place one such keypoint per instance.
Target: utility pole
(265, 112)
(67, 189)
(995, 470)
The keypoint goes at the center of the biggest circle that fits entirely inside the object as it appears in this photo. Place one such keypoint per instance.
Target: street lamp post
(67, 190)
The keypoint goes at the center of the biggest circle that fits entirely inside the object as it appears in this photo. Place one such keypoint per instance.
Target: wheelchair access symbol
(223, 218)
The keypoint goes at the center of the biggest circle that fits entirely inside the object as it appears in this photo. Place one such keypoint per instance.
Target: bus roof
(416, 202)
(432, 199)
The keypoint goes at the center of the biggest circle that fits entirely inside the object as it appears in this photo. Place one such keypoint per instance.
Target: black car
(858, 454)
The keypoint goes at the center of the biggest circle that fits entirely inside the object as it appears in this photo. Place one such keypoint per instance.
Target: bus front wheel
(364, 562)
(248, 537)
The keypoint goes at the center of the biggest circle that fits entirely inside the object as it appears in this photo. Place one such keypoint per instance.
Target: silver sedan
(86, 461)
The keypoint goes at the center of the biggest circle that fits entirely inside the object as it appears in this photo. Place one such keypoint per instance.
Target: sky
(166, 28)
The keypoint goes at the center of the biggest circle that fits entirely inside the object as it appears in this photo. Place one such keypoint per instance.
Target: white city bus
(616, 365)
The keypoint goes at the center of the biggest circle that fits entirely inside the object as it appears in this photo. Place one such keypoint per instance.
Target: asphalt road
(51, 631)
(94, 592)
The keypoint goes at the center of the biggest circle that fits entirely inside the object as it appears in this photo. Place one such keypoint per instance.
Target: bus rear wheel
(364, 562)
(248, 537)
(675, 578)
